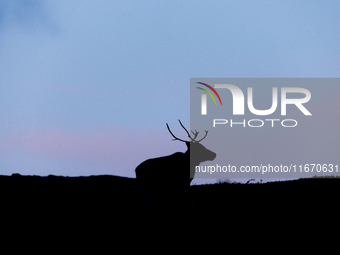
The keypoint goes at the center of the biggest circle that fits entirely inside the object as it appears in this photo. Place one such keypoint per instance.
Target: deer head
(196, 151)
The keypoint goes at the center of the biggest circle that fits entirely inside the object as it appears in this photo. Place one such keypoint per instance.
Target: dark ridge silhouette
(97, 208)
(168, 173)
(123, 192)
(103, 202)
(303, 194)
(62, 189)
(92, 207)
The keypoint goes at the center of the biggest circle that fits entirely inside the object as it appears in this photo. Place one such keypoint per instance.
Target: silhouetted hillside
(122, 193)
(292, 195)
(75, 190)
(97, 206)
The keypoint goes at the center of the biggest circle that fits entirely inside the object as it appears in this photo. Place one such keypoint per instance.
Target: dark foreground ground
(104, 208)
(122, 193)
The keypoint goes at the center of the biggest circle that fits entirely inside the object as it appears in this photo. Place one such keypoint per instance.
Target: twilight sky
(86, 86)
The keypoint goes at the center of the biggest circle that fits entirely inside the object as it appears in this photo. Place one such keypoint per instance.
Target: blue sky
(86, 87)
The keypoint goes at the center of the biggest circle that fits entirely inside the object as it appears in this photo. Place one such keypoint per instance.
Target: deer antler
(206, 132)
(174, 135)
(185, 129)
(195, 134)
(192, 139)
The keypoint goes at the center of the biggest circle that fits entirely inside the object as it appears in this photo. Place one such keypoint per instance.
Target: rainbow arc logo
(209, 93)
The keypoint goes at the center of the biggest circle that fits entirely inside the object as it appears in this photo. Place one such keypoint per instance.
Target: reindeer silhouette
(172, 170)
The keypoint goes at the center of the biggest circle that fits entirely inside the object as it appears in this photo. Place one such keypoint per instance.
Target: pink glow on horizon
(112, 149)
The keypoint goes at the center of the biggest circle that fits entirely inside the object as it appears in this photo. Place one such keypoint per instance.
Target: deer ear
(188, 145)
